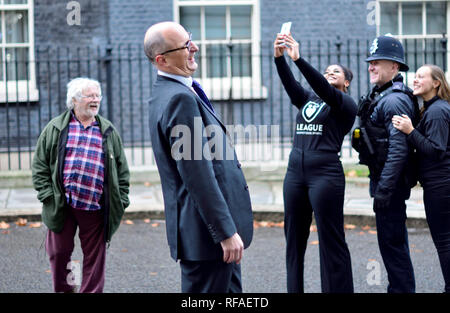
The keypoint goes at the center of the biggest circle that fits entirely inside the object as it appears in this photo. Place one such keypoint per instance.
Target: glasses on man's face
(92, 97)
(187, 45)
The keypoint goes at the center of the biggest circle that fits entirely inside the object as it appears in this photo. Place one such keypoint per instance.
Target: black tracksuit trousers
(436, 197)
(315, 182)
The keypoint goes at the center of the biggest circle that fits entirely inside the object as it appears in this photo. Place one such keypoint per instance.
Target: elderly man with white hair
(81, 174)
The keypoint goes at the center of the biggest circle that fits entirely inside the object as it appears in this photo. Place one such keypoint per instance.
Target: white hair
(75, 88)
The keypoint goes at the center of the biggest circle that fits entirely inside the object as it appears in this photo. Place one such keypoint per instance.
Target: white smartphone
(285, 29)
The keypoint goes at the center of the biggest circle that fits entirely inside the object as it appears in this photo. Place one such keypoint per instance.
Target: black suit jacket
(206, 197)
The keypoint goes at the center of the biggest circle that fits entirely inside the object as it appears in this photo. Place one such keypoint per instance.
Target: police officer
(385, 150)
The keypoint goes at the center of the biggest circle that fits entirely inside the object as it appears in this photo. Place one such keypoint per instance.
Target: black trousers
(315, 182)
(393, 243)
(436, 197)
(210, 277)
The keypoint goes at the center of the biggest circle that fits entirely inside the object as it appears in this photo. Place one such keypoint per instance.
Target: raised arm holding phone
(314, 182)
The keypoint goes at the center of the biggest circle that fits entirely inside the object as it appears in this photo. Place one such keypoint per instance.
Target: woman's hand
(292, 47)
(402, 123)
(278, 46)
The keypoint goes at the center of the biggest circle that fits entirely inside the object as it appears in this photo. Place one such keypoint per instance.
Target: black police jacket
(393, 174)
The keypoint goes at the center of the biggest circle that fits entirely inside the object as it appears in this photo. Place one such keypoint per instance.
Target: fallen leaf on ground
(361, 233)
(147, 184)
(153, 273)
(129, 222)
(349, 226)
(21, 222)
(155, 224)
(352, 173)
(315, 242)
(147, 220)
(4, 225)
(35, 225)
(267, 224)
(367, 227)
(373, 232)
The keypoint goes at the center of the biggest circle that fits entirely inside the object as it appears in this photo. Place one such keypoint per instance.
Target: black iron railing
(240, 79)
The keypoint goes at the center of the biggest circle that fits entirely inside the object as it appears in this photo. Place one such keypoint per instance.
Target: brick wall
(124, 23)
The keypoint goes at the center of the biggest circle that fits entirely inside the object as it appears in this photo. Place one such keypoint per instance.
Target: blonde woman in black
(431, 139)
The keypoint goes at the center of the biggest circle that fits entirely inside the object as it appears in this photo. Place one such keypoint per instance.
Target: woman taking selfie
(315, 181)
(431, 139)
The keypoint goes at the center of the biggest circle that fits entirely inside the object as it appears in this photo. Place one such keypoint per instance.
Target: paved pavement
(138, 261)
(266, 191)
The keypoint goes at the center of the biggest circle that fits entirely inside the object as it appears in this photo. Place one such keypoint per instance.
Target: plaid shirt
(84, 166)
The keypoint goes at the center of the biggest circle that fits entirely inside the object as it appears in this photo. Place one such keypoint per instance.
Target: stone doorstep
(267, 203)
(158, 215)
(253, 171)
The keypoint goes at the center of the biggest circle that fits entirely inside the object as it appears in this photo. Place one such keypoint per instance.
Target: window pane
(16, 26)
(388, 18)
(241, 22)
(15, 1)
(436, 21)
(190, 19)
(412, 18)
(241, 64)
(216, 60)
(16, 63)
(1, 66)
(198, 60)
(215, 22)
(414, 53)
(434, 53)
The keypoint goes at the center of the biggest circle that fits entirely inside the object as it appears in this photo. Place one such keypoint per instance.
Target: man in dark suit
(209, 219)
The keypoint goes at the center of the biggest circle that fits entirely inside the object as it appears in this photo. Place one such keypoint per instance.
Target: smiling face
(181, 61)
(424, 84)
(88, 105)
(382, 71)
(335, 75)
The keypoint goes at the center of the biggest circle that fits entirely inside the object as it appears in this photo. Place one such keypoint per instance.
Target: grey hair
(75, 88)
(154, 43)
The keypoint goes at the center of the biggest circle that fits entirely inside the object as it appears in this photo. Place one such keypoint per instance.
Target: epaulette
(398, 86)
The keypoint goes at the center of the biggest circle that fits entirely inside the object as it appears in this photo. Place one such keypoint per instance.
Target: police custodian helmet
(388, 48)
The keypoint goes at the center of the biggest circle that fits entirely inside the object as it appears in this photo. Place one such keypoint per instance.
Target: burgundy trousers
(59, 247)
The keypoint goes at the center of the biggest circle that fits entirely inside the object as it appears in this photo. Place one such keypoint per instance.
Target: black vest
(371, 140)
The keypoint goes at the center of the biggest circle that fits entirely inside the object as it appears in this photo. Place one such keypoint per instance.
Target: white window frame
(243, 87)
(424, 34)
(20, 90)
